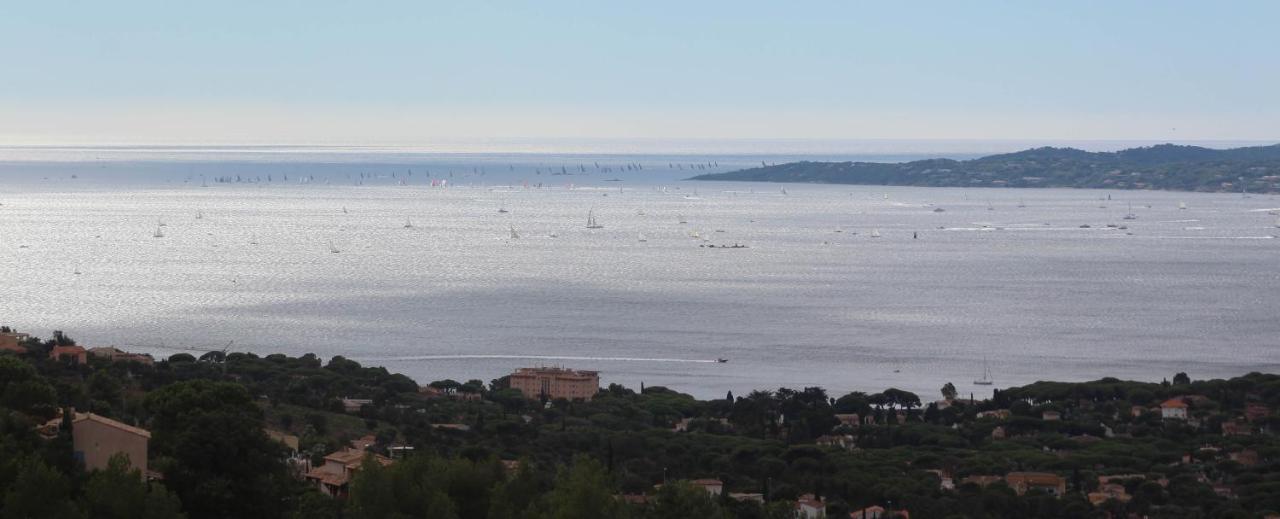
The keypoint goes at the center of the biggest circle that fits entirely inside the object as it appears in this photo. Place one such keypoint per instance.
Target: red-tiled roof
(1174, 402)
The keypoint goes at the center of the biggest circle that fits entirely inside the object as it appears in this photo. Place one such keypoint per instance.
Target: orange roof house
(1174, 409)
(810, 507)
(334, 477)
(1022, 482)
(76, 354)
(11, 340)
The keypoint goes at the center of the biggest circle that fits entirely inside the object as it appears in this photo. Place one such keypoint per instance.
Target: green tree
(949, 391)
(583, 492)
(118, 492)
(682, 499)
(210, 445)
(39, 491)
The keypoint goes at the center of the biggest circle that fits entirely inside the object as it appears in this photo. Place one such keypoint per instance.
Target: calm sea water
(1006, 275)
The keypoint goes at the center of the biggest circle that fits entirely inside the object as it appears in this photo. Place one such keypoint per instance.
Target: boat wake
(530, 357)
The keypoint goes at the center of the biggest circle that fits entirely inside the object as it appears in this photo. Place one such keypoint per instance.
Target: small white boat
(642, 238)
(875, 233)
(514, 235)
(1182, 205)
(333, 249)
(159, 233)
(407, 224)
(680, 219)
(1130, 215)
(199, 215)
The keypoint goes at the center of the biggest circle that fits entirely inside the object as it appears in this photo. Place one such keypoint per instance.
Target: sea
(467, 262)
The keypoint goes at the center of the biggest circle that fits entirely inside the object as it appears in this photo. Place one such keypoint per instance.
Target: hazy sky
(409, 72)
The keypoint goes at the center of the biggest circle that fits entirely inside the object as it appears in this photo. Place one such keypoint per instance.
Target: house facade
(1173, 409)
(554, 383)
(95, 439)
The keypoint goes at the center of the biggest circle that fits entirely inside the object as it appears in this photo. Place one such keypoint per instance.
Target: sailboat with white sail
(875, 233)
(591, 220)
(159, 233)
(1130, 215)
(333, 249)
(986, 375)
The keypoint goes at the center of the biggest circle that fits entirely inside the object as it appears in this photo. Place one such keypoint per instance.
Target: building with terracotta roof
(72, 353)
(114, 354)
(12, 341)
(1108, 492)
(95, 439)
(810, 507)
(334, 477)
(712, 486)
(870, 512)
(1173, 409)
(1049, 483)
(554, 383)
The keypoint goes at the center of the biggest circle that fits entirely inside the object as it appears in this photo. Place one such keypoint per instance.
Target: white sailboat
(784, 190)
(407, 224)
(199, 215)
(159, 233)
(875, 233)
(503, 207)
(591, 221)
(514, 235)
(986, 375)
(253, 239)
(642, 238)
(680, 219)
(333, 249)
(1182, 205)
(1130, 215)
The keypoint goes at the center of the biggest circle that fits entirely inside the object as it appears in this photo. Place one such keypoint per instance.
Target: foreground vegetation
(1167, 167)
(603, 458)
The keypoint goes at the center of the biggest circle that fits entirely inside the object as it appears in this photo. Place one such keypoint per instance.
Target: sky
(413, 72)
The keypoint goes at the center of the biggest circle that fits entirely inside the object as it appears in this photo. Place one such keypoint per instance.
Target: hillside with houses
(1165, 167)
(94, 431)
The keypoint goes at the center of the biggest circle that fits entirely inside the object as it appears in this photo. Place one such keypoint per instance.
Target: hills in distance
(1253, 169)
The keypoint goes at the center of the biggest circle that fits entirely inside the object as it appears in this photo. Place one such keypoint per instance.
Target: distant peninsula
(1163, 167)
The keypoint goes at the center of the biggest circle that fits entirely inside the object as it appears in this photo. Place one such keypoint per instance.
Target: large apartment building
(556, 383)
